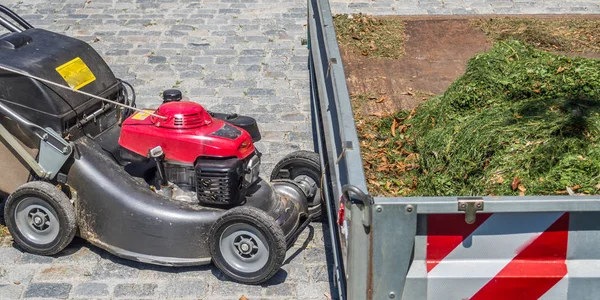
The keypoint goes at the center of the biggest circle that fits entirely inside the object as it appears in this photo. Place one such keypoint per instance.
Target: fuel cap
(172, 95)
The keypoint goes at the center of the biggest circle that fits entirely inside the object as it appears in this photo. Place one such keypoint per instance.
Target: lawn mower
(175, 186)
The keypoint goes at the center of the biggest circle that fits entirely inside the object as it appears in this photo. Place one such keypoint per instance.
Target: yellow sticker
(76, 73)
(141, 115)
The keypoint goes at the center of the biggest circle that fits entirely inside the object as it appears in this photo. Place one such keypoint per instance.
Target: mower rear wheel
(40, 218)
(305, 166)
(247, 245)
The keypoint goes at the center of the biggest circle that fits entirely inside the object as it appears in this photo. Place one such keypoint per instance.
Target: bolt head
(392, 295)
(463, 205)
(245, 247)
(478, 205)
(409, 208)
(379, 208)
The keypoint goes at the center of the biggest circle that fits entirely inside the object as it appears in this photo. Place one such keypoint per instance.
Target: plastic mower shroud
(176, 186)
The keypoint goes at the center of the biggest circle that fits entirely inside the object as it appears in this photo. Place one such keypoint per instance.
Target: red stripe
(445, 232)
(535, 270)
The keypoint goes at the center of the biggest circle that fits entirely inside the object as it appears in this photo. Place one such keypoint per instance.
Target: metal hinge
(470, 206)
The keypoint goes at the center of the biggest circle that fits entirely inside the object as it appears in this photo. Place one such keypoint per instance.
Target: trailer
(535, 247)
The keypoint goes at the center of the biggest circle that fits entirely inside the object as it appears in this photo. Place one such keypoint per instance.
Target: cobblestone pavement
(86, 272)
(464, 7)
(241, 56)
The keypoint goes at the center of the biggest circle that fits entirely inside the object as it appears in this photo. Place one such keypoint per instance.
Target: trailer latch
(363, 201)
(470, 206)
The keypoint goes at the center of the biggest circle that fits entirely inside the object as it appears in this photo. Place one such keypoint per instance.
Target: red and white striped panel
(502, 256)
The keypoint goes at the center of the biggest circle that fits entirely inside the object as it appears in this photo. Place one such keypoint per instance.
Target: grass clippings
(520, 121)
(551, 34)
(371, 36)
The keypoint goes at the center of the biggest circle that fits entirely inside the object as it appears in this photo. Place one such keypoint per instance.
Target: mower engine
(199, 158)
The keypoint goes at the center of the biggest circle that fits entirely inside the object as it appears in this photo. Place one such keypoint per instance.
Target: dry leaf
(560, 70)
(243, 298)
(413, 157)
(394, 127)
(402, 128)
(372, 46)
(381, 99)
(499, 179)
(379, 114)
(408, 93)
(327, 295)
(412, 167)
(388, 185)
(515, 183)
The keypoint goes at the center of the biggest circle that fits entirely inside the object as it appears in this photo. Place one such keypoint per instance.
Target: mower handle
(15, 17)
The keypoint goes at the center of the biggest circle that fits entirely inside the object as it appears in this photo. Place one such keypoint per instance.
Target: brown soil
(436, 52)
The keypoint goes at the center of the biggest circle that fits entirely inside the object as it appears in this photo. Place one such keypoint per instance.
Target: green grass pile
(520, 121)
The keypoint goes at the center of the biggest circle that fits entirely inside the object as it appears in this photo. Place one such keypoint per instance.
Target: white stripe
(485, 253)
(558, 291)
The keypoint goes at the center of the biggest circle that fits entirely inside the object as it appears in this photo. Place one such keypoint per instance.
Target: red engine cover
(187, 133)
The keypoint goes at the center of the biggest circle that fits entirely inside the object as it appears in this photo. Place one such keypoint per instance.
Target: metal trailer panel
(480, 262)
(382, 245)
(339, 149)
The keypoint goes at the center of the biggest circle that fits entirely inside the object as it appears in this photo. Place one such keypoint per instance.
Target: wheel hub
(39, 219)
(245, 246)
(36, 220)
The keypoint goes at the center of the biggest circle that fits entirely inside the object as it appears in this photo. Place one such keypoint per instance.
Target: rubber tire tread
(55, 198)
(311, 157)
(268, 227)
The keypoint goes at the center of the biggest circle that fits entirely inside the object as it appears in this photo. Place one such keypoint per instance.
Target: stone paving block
(10, 255)
(29, 258)
(91, 289)
(111, 270)
(48, 290)
(135, 290)
(10, 291)
(196, 289)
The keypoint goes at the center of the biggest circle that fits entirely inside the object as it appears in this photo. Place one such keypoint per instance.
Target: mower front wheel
(40, 218)
(247, 245)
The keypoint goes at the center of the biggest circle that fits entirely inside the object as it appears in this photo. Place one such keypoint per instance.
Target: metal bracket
(54, 150)
(470, 207)
(362, 200)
